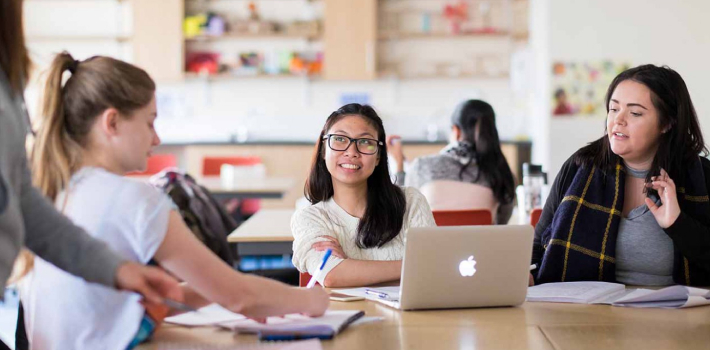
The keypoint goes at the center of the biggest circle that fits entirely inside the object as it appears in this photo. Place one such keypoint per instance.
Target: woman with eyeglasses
(357, 211)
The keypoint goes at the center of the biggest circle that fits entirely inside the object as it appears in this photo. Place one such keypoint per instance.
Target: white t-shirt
(329, 219)
(65, 312)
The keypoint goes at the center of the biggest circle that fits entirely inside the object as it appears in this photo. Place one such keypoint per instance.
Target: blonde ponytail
(70, 109)
(54, 153)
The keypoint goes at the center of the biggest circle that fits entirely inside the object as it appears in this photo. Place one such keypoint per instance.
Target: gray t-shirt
(644, 252)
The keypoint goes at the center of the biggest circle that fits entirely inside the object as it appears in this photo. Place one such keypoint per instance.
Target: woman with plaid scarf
(632, 207)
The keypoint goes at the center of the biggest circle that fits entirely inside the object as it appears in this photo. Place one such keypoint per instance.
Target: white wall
(274, 108)
(662, 32)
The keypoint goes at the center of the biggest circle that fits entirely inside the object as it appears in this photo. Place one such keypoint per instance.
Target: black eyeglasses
(341, 143)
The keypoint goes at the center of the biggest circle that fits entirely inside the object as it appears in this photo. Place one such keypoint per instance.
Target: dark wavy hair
(386, 203)
(485, 147)
(680, 144)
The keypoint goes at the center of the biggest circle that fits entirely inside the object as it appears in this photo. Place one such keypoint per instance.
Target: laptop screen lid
(466, 266)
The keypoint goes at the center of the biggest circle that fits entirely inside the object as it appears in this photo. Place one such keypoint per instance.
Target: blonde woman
(26, 217)
(98, 126)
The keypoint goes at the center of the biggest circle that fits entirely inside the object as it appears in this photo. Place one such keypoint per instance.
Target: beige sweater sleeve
(308, 226)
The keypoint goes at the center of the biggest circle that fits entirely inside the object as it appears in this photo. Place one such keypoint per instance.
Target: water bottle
(533, 183)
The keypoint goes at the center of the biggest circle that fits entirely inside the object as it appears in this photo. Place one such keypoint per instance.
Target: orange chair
(156, 163)
(463, 217)
(211, 166)
(303, 279)
(535, 216)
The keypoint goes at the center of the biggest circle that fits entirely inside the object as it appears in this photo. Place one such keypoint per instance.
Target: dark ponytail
(476, 120)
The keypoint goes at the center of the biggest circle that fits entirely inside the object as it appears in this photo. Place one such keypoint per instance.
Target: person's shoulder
(571, 165)
(309, 214)
(131, 193)
(138, 188)
(433, 159)
(412, 195)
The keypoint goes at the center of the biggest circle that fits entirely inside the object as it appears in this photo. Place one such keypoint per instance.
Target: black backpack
(206, 217)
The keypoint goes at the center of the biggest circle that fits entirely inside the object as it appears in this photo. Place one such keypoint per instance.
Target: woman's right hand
(531, 281)
(394, 147)
(317, 301)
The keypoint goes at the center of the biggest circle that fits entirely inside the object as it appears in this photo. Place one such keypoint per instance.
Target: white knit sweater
(327, 218)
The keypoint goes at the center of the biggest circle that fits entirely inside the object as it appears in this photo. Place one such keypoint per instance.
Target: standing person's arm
(54, 238)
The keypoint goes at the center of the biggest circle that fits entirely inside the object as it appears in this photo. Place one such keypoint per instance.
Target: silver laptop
(462, 267)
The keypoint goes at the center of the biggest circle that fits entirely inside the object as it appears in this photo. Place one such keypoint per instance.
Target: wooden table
(268, 232)
(531, 326)
(267, 187)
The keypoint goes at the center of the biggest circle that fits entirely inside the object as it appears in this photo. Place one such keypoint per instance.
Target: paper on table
(573, 292)
(393, 292)
(210, 315)
(330, 323)
(310, 344)
(214, 315)
(669, 297)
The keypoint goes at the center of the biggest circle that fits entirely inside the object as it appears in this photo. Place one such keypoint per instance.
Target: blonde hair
(69, 111)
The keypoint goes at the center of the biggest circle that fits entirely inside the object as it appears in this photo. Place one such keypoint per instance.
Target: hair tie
(74, 66)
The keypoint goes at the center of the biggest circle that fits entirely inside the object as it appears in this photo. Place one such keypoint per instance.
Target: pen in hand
(173, 304)
(316, 275)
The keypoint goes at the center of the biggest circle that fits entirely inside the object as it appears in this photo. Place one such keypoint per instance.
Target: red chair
(463, 217)
(535, 216)
(303, 279)
(156, 163)
(212, 166)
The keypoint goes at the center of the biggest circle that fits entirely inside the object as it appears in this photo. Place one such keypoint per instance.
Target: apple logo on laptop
(467, 267)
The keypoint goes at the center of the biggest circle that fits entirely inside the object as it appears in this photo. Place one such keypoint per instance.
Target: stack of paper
(617, 295)
(669, 297)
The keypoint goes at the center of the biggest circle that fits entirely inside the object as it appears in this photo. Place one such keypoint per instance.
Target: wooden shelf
(247, 36)
(415, 36)
(230, 76)
(390, 75)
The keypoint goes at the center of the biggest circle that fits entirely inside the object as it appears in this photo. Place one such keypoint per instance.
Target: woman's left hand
(332, 244)
(669, 210)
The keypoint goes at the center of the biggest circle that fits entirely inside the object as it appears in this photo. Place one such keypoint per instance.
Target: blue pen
(315, 277)
(378, 294)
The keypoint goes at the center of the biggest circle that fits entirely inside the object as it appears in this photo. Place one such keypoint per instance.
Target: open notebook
(326, 326)
(618, 295)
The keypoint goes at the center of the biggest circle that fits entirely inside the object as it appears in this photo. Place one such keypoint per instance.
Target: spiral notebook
(324, 327)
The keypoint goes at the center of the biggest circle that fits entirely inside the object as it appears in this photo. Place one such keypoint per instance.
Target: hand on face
(668, 212)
